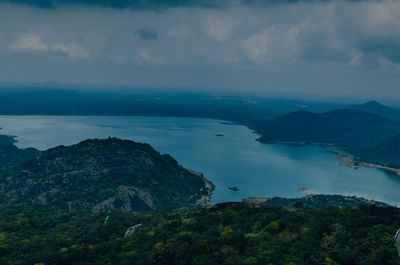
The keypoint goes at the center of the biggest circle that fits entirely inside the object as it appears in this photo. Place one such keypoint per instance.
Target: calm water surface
(235, 159)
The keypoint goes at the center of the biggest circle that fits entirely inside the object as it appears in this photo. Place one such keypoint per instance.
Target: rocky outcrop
(103, 175)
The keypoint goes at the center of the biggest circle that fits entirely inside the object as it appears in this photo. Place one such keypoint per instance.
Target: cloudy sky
(319, 49)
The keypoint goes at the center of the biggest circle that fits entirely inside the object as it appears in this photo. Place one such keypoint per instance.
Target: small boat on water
(234, 188)
(219, 134)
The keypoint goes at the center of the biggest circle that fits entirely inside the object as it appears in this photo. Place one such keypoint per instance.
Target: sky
(317, 49)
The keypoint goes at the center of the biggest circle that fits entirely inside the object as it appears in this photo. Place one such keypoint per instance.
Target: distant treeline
(249, 111)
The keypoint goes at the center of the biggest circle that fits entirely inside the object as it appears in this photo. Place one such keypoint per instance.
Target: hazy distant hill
(377, 108)
(102, 175)
(342, 127)
(83, 101)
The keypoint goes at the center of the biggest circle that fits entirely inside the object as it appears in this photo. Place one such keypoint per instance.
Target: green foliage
(341, 127)
(11, 155)
(238, 233)
(384, 153)
(366, 135)
(103, 175)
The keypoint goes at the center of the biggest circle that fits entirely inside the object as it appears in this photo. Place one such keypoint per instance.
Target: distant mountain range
(342, 127)
(377, 108)
(369, 131)
(103, 175)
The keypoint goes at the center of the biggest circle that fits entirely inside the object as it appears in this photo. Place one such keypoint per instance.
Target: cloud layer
(254, 46)
(157, 4)
(31, 42)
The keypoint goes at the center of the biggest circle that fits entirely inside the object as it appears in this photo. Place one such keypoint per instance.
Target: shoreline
(295, 143)
(210, 187)
(317, 201)
(345, 158)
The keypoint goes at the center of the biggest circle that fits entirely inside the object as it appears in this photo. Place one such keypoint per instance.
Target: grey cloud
(320, 53)
(307, 47)
(134, 4)
(159, 4)
(385, 48)
(286, 34)
(146, 34)
(373, 28)
(32, 42)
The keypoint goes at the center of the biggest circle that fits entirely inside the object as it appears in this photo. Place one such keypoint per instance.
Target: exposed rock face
(102, 175)
(127, 198)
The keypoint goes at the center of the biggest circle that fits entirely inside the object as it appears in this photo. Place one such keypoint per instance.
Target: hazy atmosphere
(317, 49)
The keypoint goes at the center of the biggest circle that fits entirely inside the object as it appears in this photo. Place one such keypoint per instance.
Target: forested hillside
(367, 136)
(102, 175)
(11, 155)
(343, 127)
(238, 233)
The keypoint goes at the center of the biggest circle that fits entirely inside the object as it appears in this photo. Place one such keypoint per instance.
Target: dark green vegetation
(53, 205)
(102, 175)
(11, 155)
(343, 127)
(386, 153)
(317, 201)
(375, 107)
(368, 136)
(237, 233)
(82, 101)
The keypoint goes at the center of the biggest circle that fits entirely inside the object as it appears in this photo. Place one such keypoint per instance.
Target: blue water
(236, 159)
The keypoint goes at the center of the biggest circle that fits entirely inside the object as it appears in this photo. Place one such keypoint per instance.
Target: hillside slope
(341, 127)
(377, 108)
(385, 153)
(11, 155)
(229, 234)
(102, 175)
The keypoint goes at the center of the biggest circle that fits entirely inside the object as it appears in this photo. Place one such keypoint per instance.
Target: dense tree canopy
(237, 233)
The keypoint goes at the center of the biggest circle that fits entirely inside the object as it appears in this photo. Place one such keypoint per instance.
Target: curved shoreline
(345, 158)
(210, 187)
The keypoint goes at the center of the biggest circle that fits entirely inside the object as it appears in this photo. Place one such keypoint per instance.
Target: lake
(234, 159)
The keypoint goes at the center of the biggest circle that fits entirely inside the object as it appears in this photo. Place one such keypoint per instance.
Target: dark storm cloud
(146, 34)
(134, 4)
(313, 47)
(313, 53)
(158, 4)
(388, 49)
